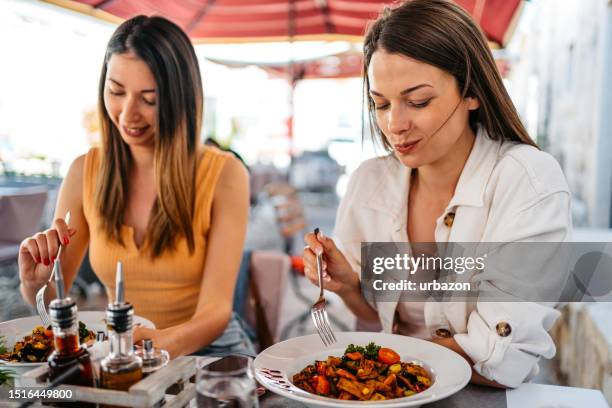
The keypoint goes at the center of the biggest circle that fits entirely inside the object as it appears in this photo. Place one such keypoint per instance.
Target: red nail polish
(66, 240)
(46, 262)
(38, 260)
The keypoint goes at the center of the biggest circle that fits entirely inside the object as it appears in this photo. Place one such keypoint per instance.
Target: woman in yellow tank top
(152, 196)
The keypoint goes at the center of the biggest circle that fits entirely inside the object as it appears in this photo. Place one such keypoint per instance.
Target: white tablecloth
(553, 396)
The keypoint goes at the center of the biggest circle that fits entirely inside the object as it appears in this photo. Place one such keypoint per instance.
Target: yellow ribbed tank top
(166, 289)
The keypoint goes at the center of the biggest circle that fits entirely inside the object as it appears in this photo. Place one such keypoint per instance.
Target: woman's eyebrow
(116, 82)
(414, 88)
(405, 91)
(121, 85)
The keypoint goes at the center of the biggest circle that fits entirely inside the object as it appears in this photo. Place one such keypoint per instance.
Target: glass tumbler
(228, 382)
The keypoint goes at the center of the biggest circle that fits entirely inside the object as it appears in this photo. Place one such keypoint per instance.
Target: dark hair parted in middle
(442, 34)
(170, 56)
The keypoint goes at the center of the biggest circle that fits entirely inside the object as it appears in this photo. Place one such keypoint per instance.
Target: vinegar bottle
(68, 355)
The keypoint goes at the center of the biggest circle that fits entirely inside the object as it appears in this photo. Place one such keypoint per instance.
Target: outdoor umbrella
(239, 21)
(278, 20)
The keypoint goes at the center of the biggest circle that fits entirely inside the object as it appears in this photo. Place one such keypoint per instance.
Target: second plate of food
(362, 369)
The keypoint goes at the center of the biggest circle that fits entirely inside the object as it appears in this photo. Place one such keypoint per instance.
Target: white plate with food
(41, 343)
(394, 371)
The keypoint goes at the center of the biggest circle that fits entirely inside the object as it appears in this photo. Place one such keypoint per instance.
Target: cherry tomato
(388, 356)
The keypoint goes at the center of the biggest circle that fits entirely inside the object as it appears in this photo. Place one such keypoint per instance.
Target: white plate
(450, 371)
(15, 330)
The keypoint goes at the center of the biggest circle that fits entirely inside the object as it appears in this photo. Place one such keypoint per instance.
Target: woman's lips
(135, 131)
(406, 148)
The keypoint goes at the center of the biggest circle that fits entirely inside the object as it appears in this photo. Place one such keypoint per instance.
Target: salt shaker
(152, 358)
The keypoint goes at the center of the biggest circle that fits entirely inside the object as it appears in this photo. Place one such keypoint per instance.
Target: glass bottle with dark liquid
(68, 352)
(69, 355)
(121, 368)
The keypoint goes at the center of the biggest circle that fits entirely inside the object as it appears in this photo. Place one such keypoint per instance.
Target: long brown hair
(442, 34)
(170, 56)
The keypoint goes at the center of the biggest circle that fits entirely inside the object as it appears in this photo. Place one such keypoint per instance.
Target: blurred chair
(21, 211)
(289, 212)
(291, 224)
(275, 219)
(267, 282)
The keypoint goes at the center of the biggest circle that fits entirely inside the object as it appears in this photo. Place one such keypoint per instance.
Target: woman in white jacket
(461, 168)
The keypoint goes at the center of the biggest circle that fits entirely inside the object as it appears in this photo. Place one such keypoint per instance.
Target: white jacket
(507, 192)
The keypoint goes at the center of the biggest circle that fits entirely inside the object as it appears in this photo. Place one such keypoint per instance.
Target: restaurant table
(528, 395)
(474, 396)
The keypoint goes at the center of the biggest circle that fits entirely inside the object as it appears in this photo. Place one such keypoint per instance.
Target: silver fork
(40, 295)
(318, 312)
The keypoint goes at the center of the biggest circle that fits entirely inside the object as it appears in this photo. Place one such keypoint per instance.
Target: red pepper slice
(354, 356)
(322, 385)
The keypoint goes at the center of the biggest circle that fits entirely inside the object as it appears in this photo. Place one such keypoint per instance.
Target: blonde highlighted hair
(170, 56)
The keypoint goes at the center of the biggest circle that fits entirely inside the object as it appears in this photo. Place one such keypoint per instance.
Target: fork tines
(321, 322)
(42, 312)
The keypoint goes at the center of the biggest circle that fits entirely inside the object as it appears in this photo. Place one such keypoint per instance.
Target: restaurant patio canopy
(257, 21)
(236, 21)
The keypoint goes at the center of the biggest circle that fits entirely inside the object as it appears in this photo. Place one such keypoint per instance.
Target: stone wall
(561, 84)
(583, 336)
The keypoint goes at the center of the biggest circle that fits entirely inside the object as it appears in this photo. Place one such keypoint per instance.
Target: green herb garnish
(83, 332)
(370, 351)
(6, 375)
(353, 348)
(2, 345)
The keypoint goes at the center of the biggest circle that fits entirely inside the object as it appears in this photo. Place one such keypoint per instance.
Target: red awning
(346, 64)
(278, 20)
